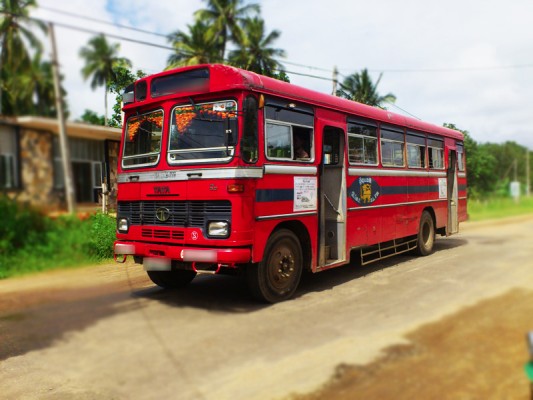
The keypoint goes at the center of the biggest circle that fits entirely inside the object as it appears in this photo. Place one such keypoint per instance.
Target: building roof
(74, 129)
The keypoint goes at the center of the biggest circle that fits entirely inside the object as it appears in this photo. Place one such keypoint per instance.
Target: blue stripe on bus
(264, 195)
(392, 190)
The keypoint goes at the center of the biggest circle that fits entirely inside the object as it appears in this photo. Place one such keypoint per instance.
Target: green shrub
(30, 241)
(102, 234)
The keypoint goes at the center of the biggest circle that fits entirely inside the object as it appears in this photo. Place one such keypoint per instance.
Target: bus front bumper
(159, 257)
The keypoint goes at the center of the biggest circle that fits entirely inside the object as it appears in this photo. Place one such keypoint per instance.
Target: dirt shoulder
(478, 353)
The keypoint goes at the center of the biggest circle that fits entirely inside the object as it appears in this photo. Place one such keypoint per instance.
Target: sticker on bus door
(305, 189)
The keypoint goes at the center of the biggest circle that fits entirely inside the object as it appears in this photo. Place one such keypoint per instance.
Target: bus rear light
(235, 188)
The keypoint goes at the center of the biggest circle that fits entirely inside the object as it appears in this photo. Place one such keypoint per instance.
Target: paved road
(105, 332)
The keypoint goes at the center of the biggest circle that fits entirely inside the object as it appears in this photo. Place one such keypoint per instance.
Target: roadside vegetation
(31, 242)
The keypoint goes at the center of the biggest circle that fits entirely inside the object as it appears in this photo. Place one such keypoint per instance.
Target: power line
(84, 17)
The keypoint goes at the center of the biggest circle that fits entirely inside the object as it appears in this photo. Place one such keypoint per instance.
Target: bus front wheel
(174, 279)
(426, 235)
(277, 276)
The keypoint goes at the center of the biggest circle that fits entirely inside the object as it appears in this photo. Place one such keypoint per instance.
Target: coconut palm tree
(255, 52)
(359, 87)
(196, 47)
(224, 18)
(15, 57)
(101, 58)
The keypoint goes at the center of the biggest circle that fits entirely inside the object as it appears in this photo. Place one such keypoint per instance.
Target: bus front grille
(174, 213)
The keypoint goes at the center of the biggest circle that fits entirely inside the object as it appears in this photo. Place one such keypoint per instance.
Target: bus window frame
(158, 154)
(363, 137)
(291, 134)
(417, 145)
(396, 130)
(223, 160)
(438, 149)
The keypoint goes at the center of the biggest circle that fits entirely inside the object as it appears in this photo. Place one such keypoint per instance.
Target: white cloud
(382, 36)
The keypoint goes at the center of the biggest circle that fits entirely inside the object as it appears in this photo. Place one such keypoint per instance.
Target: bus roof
(225, 77)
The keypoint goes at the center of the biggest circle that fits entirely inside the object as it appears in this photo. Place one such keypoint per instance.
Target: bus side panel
(463, 211)
(274, 205)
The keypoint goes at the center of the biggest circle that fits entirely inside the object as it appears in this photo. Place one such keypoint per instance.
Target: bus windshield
(205, 131)
(142, 142)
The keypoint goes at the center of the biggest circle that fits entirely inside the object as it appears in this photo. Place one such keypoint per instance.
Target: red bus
(225, 170)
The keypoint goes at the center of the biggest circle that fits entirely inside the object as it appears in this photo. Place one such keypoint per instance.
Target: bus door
(332, 228)
(453, 195)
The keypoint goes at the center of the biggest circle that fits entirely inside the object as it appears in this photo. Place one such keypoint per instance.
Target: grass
(496, 208)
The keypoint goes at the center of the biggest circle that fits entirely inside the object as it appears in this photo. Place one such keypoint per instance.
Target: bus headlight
(123, 225)
(218, 229)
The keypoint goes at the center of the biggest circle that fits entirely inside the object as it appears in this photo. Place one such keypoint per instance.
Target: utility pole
(335, 80)
(528, 185)
(63, 141)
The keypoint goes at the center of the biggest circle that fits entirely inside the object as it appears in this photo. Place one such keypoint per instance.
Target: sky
(466, 62)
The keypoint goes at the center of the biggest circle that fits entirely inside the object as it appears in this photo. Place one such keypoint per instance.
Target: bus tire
(426, 235)
(277, 276)
(174, 279)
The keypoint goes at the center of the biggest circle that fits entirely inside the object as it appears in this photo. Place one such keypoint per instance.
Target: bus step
(384, 250)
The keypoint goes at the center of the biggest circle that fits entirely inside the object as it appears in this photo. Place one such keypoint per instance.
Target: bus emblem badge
(162, 214)
(364, 191)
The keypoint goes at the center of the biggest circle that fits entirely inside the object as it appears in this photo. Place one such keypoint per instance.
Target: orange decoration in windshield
(135, 122)
(185, 115)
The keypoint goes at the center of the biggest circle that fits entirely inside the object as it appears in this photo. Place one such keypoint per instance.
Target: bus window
(436, 153)
(392, 148)
(460, 157)
(203, 132)
(142, 141)
(289, 133)
(249, 135)
(278, 141)
(362, 144)
(416, 151)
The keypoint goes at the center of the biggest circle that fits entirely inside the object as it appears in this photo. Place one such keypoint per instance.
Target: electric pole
(335, 81)
(528, 186)
(63, 141)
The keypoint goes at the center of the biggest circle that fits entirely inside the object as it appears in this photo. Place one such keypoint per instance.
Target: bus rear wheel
(277, 276)
(174, 279)
(426, 235)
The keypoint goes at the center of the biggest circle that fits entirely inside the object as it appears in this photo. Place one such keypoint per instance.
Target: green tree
(15, 57)
(196, 47)
(101, 59)
(91, 117)
(359, 87)
(224, 18)
(481, 166)
(40, 81)
(123, 78)
(255, 52)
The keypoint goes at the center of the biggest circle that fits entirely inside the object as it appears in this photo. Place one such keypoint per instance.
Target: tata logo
(161, 190)
(162, 214)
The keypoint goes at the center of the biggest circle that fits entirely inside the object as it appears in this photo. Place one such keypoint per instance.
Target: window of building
(435, 153)
(9, 170)
(416, 150)
(87, 157)
(392, 147)
(289, 132)
(362, 143)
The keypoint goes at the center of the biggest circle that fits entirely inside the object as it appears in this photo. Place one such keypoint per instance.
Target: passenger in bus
(299, 150)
